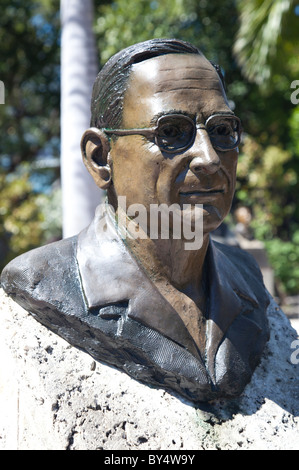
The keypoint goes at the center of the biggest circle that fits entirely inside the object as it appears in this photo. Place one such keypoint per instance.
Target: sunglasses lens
(175, 133)
(224, 132)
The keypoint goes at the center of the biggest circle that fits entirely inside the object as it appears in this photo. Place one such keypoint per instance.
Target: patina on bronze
(189, 321)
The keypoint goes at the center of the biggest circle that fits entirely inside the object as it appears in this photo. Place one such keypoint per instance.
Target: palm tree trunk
(80, 196)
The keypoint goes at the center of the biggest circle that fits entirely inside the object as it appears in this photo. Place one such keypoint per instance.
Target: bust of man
(188, 318)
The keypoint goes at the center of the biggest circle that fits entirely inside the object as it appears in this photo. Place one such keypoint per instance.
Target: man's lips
(201, 192)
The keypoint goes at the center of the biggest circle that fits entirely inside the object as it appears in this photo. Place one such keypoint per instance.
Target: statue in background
(135, 292)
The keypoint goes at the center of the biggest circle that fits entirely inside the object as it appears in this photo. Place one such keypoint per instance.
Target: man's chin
(212, 218)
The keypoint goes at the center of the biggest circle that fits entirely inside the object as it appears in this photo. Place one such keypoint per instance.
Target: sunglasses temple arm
(124, 132)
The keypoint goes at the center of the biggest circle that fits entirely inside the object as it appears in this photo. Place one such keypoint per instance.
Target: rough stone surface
(54, 396)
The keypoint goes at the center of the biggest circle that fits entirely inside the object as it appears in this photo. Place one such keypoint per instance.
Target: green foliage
(284, 258)
(20, 217)
(29, 119)
(265, 42)
(27, 219)
(29, 68)
(268, 187)
(267, 49)
(50, 206)
(294, 132)
(207, 24)
(124, 23)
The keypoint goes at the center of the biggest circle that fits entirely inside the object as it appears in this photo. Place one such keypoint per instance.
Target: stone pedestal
(54, 396)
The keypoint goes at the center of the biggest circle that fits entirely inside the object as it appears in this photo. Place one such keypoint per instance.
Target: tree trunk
(79, 67)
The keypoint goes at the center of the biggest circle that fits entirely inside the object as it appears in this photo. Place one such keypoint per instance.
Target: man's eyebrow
(170, 113)
(191, 67)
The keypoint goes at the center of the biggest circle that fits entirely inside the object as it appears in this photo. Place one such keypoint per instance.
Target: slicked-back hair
(111, 83)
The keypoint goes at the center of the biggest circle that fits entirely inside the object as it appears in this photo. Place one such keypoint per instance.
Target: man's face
(181, 84)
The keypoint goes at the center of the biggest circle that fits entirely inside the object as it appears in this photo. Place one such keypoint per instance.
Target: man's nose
(202, 156)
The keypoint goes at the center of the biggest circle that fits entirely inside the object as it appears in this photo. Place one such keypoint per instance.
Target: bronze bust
(189, 320)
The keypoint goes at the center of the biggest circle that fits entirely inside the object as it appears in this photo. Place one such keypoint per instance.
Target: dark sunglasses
(174, 133)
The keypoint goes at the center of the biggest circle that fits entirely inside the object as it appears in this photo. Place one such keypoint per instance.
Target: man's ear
(95, 148)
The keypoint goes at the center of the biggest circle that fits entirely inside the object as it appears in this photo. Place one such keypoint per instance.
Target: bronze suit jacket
(91, 291)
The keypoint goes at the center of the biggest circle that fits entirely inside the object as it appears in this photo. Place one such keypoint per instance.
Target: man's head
(141, 88)
(111, 83)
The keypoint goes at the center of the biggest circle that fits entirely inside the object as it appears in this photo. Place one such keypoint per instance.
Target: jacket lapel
(231, 297)
(111, 276)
